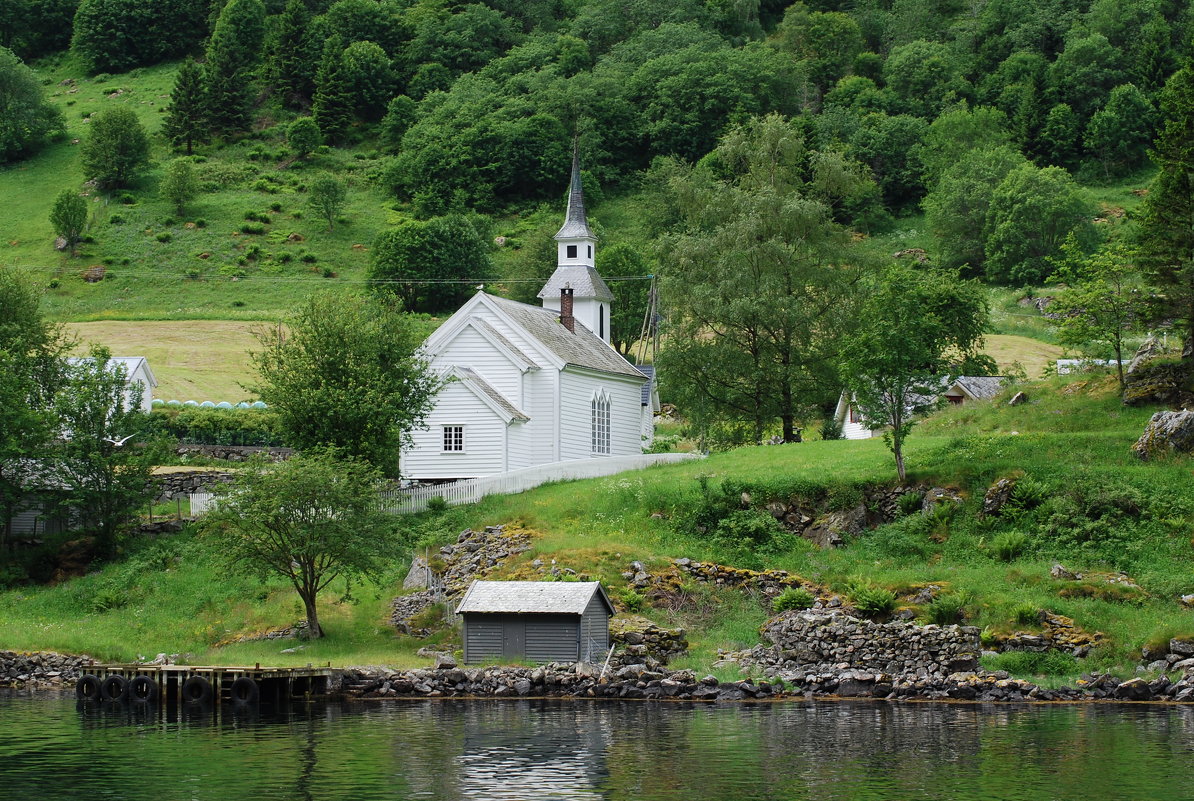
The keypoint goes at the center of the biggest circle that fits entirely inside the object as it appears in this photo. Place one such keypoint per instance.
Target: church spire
(575, 225)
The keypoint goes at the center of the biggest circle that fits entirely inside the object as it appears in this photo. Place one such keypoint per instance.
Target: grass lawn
(192, 360)
(1092, 506)
(1030, 354)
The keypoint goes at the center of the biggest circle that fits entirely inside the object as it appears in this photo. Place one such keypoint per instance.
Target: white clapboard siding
(576, 412)
(484, 439)
(542, 390)
(514, 481)
(470, 349)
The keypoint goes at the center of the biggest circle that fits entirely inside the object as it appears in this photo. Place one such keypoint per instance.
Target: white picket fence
(200, 502)
(409, 501)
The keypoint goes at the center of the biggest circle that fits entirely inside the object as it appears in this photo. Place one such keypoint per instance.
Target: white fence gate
(200, 502)
(409, 501)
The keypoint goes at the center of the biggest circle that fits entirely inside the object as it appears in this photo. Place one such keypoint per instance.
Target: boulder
(419, 575)
(1136, 689)
(1158, 383)
(1181, 647)
(997, 496)
(1166, 432)
(831, 530)
(1150, 348)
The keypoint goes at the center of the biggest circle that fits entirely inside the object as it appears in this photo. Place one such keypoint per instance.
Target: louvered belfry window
(601, 422)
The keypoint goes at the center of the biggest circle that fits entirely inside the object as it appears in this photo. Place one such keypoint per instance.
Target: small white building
(956, 391)
(136, 374)
(529, 385)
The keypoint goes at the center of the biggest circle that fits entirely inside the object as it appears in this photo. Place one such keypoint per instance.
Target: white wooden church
(531, 385)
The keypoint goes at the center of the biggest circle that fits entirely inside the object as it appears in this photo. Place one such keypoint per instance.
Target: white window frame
(463, 438)
(601, 420)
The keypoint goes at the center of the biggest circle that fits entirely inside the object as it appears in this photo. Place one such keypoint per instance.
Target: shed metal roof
(538, 597)
(980, 387)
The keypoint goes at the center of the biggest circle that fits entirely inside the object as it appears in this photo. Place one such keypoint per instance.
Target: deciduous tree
(439, 249)
(310, 519)
(27, 120)
(1031, 214)
(1103, 302)
(914, 327)
(99, 457)
(345, 373)
(116, 148)
(68, 216)
(179, 184)
(326, 197)
(303, 136)
(759, 281)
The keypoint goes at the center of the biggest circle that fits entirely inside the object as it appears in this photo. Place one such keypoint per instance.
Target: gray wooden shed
(535, 621)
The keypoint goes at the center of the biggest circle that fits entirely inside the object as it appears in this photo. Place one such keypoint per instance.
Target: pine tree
(1060, 137)
(1166, 237)
(232, 54)
(332, 107)
(290, 68)
(186, 120)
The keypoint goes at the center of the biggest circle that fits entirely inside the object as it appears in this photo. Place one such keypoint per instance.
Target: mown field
(1090, 504)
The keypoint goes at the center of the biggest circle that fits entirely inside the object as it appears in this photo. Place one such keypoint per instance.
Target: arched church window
(601, 422)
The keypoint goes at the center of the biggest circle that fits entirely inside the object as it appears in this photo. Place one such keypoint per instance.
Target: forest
(767, 154)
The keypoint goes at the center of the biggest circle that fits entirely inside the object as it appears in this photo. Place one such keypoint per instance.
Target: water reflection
(51, 748)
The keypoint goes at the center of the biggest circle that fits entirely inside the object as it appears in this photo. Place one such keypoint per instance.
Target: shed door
(514, 645)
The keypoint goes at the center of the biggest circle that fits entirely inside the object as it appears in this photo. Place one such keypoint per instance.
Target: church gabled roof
(586, 282)
(575, 226)
(482, 388)
(580, 348)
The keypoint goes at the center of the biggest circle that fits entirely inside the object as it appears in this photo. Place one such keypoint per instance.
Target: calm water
(49, 749)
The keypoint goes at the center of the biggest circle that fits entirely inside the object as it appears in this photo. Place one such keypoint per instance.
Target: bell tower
(576, 264)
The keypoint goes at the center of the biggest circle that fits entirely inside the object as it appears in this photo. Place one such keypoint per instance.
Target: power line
(408, 281)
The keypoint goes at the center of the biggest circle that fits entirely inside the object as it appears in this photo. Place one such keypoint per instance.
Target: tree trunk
(790, 430)
(314, 631)
(898, 450)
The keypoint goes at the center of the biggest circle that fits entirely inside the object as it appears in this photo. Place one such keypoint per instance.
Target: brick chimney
(566, 308)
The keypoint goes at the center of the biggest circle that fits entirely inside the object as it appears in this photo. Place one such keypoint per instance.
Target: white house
(136, 374)
(956, 391)
(529, 385)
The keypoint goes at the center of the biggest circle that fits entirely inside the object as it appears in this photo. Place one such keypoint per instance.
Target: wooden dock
(195, 685)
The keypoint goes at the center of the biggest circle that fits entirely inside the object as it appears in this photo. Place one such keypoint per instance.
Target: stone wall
(638, 641)
(234, 453)
(181, 483)
(40, 668)
(814, 638)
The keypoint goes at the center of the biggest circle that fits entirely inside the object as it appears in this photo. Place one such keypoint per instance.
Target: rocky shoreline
(635, 681)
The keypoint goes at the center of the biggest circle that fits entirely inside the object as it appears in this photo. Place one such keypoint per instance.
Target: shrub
(437, 504)
(164, 236)
(1008, 545)
(193, 426)
(252, 228)
(830, 427)
(909, 503)
(946, 609)
(1027, 494)
(54, 283)
(872, 601)
(1027, 615)
(792, 598)
(307, 257)
(633, 601)
(116, 219)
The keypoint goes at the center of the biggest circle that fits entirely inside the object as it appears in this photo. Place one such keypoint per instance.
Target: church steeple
(576, 270)
(575, 225)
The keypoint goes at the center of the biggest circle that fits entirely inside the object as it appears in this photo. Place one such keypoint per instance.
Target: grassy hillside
(1088, 503)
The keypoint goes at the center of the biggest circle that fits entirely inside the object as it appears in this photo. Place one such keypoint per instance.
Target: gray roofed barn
(566, 597)
(538, 621)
